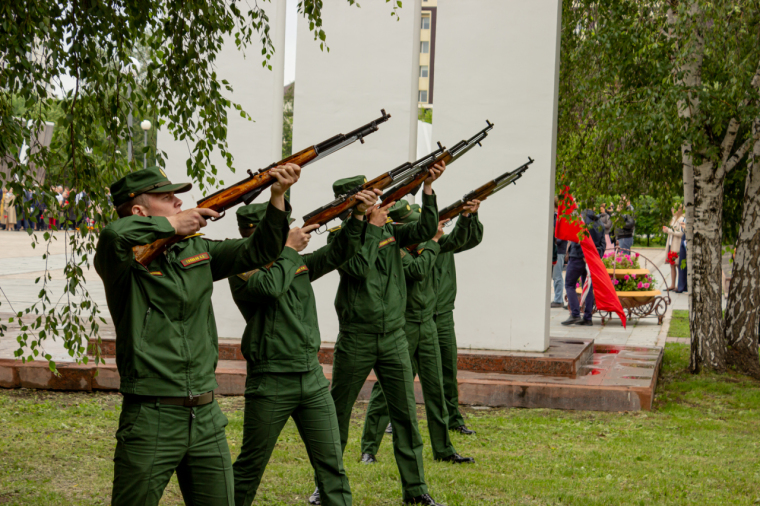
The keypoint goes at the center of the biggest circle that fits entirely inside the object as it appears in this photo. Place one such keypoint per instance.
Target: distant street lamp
(145, 125)
(130, 67)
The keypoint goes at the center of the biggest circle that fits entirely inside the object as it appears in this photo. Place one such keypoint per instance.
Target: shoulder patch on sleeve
(403, 252)
(246, 275)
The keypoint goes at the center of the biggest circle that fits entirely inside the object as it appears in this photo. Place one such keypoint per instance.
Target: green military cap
(150, 180)
(251, 215)
(402, 212)
(342, 186)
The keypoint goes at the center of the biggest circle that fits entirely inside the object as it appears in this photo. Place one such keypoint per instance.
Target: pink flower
(617, 260)
(617, 282)
(646, 285)
(640, 285)
(637, 255)
(626, 277)
(634, 276)
(577, 285)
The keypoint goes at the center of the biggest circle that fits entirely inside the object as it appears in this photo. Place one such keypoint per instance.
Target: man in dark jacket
(624, 234)
(576, 269)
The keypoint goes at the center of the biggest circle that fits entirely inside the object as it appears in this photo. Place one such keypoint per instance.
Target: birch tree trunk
(708, 347)
(703, 203)
(742, 312)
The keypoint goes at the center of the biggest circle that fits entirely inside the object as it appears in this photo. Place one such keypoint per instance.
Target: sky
(291, 22)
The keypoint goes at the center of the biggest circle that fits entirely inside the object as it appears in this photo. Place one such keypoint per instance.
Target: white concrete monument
(372, 64)
(499, 60)
(254, 144)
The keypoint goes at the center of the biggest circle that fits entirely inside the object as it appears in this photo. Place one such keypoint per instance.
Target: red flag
(570, 228)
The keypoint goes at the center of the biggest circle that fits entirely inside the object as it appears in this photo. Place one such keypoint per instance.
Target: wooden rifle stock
(480, 194)
(223, 200)
(419, 179)
(331, 212)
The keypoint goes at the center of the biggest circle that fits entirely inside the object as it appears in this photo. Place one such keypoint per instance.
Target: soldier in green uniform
(166, 342)
(370, 304)
(445, 282)
(281, 344)
(422, 336)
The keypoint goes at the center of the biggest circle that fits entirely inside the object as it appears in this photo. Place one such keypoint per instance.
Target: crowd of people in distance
(39, 214)
(618, 226)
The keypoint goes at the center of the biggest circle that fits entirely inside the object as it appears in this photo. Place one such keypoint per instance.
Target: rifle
(248, 189)
(342, 203)
(484, 191)
(411, 183)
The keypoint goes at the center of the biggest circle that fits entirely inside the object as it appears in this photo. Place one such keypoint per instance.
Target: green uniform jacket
(372, 293)
(282, 333)
(419, 271)
(445, 271)
(166, 342)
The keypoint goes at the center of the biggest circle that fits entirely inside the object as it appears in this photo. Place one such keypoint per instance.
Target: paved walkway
(21, 265)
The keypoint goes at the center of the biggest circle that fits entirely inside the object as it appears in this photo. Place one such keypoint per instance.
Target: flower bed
(634, 283)
(621, 260)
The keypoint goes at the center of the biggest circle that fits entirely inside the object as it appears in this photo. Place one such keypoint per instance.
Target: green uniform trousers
(273, 398)
(422, 338)
(154, 440)
(388, 354)
(447, 339)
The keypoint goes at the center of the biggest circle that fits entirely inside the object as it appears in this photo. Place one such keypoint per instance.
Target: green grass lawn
(700, 445)
(679, 324)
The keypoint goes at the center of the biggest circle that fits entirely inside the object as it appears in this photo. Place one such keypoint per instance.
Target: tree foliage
(93, 45)
(659, 98)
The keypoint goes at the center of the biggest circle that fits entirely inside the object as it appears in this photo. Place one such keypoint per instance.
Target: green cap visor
(150, 180)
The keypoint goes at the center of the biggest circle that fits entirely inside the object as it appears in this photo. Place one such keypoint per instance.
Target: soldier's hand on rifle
(190, 221)
(436, 171)
(472, 207)
(367, 199)
(379, 215)
(439, 234)
(298, 238)
(287, 175)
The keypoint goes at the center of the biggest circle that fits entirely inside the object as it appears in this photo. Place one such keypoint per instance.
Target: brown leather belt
(188, 402)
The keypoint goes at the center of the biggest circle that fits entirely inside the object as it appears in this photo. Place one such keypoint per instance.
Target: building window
(426, 22)
(424, 71)
(423, 96)
(424, 47)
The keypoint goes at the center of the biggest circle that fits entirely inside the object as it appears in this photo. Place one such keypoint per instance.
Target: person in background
(683, 285)
(624, 234)
(576, 269)
(606, 220)
(673, 246)
(9, 210)
(561, 249)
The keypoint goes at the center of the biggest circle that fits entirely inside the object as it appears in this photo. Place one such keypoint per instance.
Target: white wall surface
(372, 65)
(499, 60)
(254, 144)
